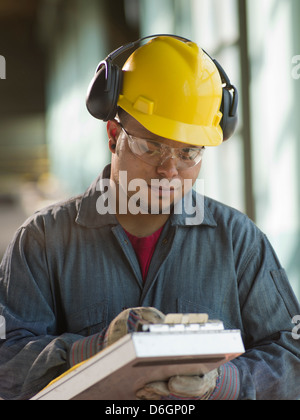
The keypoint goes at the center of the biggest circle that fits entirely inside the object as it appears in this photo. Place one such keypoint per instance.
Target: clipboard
(155, 354)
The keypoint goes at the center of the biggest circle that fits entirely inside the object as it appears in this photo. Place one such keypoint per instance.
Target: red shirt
(144, 249)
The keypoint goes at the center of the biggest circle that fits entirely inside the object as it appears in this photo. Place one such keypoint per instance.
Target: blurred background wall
(50, 148)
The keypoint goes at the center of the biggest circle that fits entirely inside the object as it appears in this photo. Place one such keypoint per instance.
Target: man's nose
(168, 167)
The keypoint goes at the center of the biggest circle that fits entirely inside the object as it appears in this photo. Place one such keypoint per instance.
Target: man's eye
(150, 151)
(187, 153)
(153, 148)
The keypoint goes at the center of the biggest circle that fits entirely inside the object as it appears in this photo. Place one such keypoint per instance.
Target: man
(80, 274)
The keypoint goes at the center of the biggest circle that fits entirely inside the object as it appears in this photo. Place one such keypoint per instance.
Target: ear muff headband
(106, 86)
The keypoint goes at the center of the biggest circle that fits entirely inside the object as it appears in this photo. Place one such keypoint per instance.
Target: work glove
(181, 387)
(128, 322)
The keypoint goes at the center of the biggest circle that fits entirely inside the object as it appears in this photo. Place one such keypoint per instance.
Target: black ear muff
(229, 105)
(104, 91)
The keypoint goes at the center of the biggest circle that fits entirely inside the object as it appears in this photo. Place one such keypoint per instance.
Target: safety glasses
(156, 154)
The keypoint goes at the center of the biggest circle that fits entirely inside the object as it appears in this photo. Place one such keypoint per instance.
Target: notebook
(156, 353)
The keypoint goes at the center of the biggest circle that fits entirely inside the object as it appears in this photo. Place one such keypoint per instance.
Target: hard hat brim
(174, 130)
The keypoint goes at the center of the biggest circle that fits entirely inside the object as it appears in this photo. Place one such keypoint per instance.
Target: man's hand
(178, 387)
(181, 387)
(127, 322)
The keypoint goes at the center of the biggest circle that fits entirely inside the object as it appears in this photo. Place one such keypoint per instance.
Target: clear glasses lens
(156, 154)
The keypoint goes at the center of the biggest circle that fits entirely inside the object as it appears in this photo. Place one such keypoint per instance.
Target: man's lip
(162, 189)
(162, 193)
(166, 187)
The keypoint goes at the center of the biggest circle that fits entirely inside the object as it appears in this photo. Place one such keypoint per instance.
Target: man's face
(172, 186)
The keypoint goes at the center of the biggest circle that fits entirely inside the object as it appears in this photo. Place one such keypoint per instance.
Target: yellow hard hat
(174, 90)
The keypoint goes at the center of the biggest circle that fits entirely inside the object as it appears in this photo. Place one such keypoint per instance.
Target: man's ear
(113, 130)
